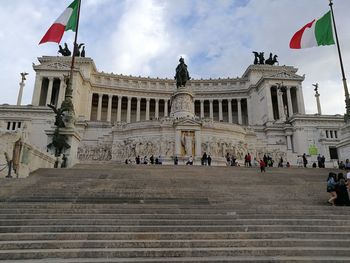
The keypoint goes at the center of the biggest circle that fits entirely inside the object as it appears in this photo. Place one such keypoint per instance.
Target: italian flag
(318, 32)
(66, 21)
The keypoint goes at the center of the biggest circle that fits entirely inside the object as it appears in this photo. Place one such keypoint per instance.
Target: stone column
(109, 110)
(211, 114)
(128, 111)
(202, 108)
(289, 142)
(178, 143)
(249, 111)
(280, 105)
(220, 110)
(99, 106)
(239, 110)
(119, 109)
(317, 96)
(290, 105)
(49, 92)
(147, 109)
(301, 105)
(156, 114)
(229, 103)
(37, 90)
(198, 142)
(165, 108)
(89, 106)
(61, 92)
(138, 109)
(20, 93)
(269, 104)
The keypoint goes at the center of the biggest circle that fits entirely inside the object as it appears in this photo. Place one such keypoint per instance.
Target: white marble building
(120, 117)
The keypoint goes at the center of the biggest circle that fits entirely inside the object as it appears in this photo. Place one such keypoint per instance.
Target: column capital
(239, 99)
(229, 100)
(220, 100)
(138, 98)
(129, 98)
(211, 100)
(157, 99)
(110, 96)
(148, 99)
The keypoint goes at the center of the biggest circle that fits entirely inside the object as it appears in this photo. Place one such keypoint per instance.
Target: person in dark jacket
(342, 191)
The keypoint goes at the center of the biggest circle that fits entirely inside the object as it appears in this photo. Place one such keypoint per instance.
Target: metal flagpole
(347, 99)
(67, 103)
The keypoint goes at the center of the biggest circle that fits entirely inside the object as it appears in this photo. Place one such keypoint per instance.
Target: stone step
(174, 222)
(257, 259)
(68, 244)
(205, 210)
(109, 235)
(167, 216)
(128, 216)
(172, 252)
(172, 228)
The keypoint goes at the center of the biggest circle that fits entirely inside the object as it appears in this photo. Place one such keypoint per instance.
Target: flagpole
(68, 104)
(75, 42)
(347, 98)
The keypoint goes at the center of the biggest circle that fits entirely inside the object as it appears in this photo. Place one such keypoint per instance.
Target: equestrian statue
(182, 75)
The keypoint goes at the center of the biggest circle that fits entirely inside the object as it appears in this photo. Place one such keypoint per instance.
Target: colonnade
(130, 99)
(44, 95)
(229, 109)
(285, 105)
(110, 108)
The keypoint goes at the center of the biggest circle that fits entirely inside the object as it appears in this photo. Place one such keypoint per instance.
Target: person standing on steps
(209, 160)
(262, 166)
(304, 160)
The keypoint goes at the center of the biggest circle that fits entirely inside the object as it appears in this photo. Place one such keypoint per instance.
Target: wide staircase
(111, 213)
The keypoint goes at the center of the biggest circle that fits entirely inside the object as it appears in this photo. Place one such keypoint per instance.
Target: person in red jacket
(262, 165)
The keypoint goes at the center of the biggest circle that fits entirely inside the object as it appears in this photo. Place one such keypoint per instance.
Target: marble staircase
(114, 213)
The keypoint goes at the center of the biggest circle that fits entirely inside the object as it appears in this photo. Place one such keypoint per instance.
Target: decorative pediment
(286, 76)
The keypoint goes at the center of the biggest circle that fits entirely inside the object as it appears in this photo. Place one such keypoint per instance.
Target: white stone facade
(120, 117)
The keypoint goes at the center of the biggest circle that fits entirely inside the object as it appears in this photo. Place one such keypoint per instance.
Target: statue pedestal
(73, 139)
(182, 105)
(344, 144)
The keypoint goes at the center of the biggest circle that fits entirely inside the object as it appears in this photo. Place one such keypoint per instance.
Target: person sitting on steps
(190, 161)
(331, 185)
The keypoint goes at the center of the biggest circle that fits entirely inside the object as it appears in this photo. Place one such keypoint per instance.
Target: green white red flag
(318, 32)
(66, 21)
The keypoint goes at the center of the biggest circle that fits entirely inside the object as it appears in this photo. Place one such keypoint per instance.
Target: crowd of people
(145, 160)
(344, 166)
(338, 187)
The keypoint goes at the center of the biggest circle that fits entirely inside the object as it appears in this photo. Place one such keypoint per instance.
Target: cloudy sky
(146, 37)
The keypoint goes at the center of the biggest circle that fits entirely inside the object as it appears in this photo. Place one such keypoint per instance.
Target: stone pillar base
(73, 139)
(182, 105)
